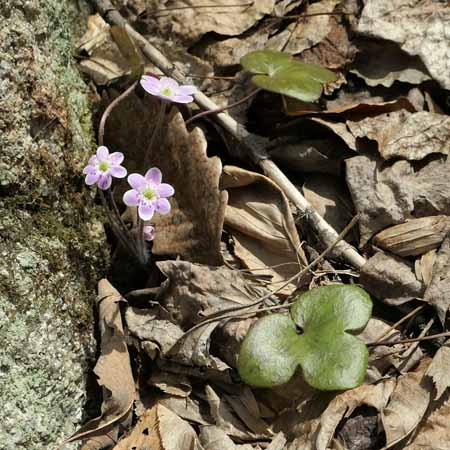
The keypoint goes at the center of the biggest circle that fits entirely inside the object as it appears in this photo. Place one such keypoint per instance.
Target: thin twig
(253, 143)
(220, 315)
(407, 341)
(219, 110)
(403, 319)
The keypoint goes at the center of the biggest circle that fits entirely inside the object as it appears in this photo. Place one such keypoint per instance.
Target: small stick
(408, 341)
(219, 110)
(403, 319)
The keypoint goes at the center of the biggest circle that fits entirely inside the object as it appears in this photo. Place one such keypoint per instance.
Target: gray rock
(52, 248)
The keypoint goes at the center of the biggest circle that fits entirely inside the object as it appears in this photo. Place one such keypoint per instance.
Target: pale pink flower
(168, 89)
(149, 194)
(102, 167)
(149, 233)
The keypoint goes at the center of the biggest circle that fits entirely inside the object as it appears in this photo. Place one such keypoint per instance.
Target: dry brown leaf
(193, 228)
(439, 370)
(113, 371)
(192, 22)
(187, 408)
(424, 267)
(305, 32)
(160, 429)
(278, 442)
(147, 326)
(437, 292)
(177, 385)
(407, 405)
(419, 27)
(101, 70)
(401, 134)
(414, 237)
(193, 291)
(213, 438)
(383, 63)
(382, 195)
(224, 417)
(434, 432)
(391, 279)
(259, 217)
(343, 405)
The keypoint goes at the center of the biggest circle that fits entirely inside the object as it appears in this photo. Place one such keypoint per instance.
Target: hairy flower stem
(140, 241)
(108, 110)
(158, 125)
(219, 110)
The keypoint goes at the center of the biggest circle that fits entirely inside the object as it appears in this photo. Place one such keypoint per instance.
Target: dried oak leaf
(114, 374)
(343, 405)
(439, 370)
(160, 429)
(437, 293)
(405, 135)
(189, 20)
(259, 217)
(407, 406)
(97, 33)
(419, 27)
(193, 228)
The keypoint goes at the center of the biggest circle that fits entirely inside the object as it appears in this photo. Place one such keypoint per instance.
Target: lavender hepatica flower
(149, 194)
(102, 167)
(168, 89)
(149, 233)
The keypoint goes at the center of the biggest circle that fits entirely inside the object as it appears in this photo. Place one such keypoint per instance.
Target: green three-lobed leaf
(277, 72)
(330, 357)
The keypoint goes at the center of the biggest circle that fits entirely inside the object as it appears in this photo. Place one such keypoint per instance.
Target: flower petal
(93, 160)
(116, 157)
(151, 85)
(187, 90)
(104, 182)
(136, 180)
(169, 82)
(118, 171)
(92, 178)
(163, 206)
(102, 153)
(89, 169)
(146, 211)
(165, 190)
(154, 176)
(131, 198)
(182, 98)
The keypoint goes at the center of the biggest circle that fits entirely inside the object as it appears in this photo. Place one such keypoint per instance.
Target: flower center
(103, 166)
(166, 92)
(149, 194)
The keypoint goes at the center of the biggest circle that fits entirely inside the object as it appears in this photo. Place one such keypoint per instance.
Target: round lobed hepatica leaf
(331, 357)
(278, 73)
(269, 353)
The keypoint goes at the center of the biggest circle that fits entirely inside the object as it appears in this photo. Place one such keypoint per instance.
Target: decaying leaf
(260, 219)
(306, 32)
(114, 374)
(169, 383)
(391, 279)
(160, 429)
(213, 438)
(97, 33)
(400, 134)
(383, 63)
(407, 406)
(414, 237)
(344, 404)
(437, 292)
(193, 291)
(189, 20)
(424, 267)
(193, 228)
(418, 27)
(439, 370)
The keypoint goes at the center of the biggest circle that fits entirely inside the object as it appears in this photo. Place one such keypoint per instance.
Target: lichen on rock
(52, 245)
